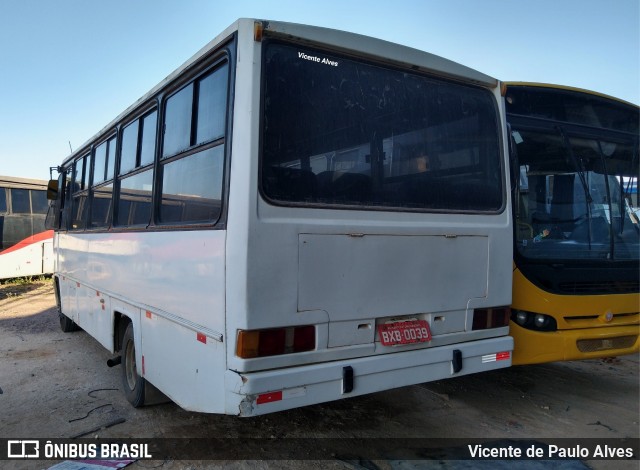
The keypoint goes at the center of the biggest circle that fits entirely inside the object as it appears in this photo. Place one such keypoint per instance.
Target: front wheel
(132, 383)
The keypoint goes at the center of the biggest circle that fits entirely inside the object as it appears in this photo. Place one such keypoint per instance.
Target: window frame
(111, 138)
(223, 59)
(139, 117)
(13, 210)
(82, 194)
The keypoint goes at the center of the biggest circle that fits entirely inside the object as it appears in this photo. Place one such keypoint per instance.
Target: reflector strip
(501, 356)
(201, 337)
(269, 397)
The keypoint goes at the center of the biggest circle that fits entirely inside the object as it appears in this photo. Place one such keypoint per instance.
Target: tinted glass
(148, 144)
(177, 133)
(20, 203)
(79, 175)
(572, 106)
(39, 202)
(99, 163)
(134, 206)
(100, 205)
(65, 219)
(342, 132)
(129, 148)
(3, 200)
(212, 103)
(111, 158)
(79, 209)
(192, 187)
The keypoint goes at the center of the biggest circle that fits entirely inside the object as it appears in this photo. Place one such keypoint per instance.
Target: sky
(68, 67)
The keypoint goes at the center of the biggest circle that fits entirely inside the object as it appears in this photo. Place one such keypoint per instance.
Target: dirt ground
(57, 385)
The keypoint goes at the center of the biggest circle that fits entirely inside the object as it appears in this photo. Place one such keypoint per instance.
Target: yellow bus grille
(593, 345)
(599, 287)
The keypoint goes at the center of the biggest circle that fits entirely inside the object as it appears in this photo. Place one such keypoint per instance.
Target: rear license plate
(404, 332)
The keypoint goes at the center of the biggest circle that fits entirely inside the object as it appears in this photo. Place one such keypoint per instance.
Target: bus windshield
(342, 132)
(571, 203)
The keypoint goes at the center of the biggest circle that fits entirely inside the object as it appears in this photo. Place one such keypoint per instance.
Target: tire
(132, 384)
(67, 324)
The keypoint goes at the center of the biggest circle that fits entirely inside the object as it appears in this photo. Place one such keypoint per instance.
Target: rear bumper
(257, 393)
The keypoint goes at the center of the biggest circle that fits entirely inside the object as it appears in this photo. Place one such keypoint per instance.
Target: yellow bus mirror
(52, 190)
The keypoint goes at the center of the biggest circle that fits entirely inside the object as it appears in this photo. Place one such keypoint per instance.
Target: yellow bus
(576, 235)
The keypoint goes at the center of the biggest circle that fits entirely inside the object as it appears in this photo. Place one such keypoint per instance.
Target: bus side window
(39, 204)
(79, 193)
(191, 181)
(20, 203)
(135, 176)
(65, 214)
(3, 201)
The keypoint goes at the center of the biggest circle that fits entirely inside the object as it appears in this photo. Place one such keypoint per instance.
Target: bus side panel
(186, 365)
(69, 297)
(95, 315)
(151, 268)
(171, 286)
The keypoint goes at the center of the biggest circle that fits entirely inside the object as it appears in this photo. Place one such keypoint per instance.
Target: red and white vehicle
(26, 248)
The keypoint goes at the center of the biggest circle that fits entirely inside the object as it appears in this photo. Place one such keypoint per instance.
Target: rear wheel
(67, 324)
(132, 383)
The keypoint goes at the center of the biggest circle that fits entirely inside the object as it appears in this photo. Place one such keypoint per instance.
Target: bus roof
(341, 41)
(570, 105)
(22, 183)
(567, 88)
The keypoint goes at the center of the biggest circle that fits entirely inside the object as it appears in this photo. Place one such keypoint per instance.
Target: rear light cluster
(275, 341)
(485, 318)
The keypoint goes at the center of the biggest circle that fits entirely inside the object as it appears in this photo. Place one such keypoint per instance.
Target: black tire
(132, 383)
(67, 324)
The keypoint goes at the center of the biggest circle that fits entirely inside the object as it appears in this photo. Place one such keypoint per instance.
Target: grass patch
(10, 288)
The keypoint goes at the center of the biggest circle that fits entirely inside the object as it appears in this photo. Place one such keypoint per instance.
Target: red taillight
(275, 341)
(304, 338)
(485, 318)
(271, 342)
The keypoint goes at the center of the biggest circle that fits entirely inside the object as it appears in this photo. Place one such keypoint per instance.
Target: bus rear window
(339, 132)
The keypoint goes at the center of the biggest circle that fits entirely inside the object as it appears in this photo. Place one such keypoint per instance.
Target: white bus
(295, 215)
(26, 248)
